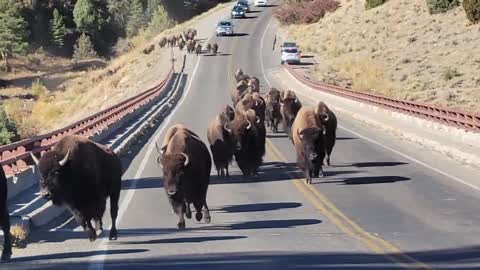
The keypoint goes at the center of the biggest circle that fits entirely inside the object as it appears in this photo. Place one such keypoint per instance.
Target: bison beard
(186, 165)
(81, 174)
(5, 218)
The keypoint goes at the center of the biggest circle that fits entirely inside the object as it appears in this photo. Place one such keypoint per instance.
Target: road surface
(384, 204)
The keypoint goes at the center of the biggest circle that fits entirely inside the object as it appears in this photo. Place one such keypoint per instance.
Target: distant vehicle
(259, 3)
(291, 56)
(238, 12)
(224, 28)
(244, 3)
(289, 45)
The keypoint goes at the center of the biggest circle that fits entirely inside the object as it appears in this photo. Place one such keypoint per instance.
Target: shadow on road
(461, 258)
(345, 138)
(277, 135)
(182, 240)
(268, 172)
(71, 255)
(257, 207)
(369, 180)
(272, 224)
(142, 183)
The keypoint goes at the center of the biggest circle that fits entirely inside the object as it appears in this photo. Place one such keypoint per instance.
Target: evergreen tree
(8, 129)
(152, 6)
(160, 21)
(57, 29)
(136, 20)
(120, 10)
(12, 30)
(84, 48)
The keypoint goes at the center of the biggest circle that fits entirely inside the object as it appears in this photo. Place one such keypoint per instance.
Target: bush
(305, 12)
(374, 3)
(84, 48)
(441, 6)
(38, 89)
(123, 45)
(472, 9)
(8, 129)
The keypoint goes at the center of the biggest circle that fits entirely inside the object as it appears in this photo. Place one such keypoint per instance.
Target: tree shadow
(257, 207)
(182, 240)
(142, 183)
(365, 180)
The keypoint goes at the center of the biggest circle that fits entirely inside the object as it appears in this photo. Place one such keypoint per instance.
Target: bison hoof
(207, 219)
(181, 225)
(113, 235)
(198, 216)
(92, 237)
(188, 214)
(6, 255)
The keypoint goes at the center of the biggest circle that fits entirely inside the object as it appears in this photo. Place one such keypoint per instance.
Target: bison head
(51, 167)
(310, 138)
(173, 169)
(229, 112)
(239, 130)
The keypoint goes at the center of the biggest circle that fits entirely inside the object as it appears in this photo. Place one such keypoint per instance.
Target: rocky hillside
(397, 49)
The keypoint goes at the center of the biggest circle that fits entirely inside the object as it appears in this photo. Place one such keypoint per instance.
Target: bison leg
(92, 234)
(188, 212)
(7, 241)
(99, 225)
(181, 219)
(198, 208)
(114, 213)
(206, 212)
(226, 170)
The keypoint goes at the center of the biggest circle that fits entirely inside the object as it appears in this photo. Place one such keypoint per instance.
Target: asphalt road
(375, 208)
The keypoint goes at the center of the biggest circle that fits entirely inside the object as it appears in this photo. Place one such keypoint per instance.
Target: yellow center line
(345, 224)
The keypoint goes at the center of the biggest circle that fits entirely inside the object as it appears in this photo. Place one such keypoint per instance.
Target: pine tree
(160, 21)
(152, 6)
(136, 20)
(12, 30)
(84, 48)
(57, 29)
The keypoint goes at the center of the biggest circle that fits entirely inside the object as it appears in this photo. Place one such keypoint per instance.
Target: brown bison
(240, 76)
(163, 42)
(186, 165)
(198, 49)
(330, 128)
(289, 107)
(5, 218)
(81, 175)
(221, 146)
(190, 46)
(181, 44)
(254, 83)
(247, 142)
(308, 138)
(272, 110)
(215, 48)
(238, 92)
(209, 48)
(149, 49)
(229, 112)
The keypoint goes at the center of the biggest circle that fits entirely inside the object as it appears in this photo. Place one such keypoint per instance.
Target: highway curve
(384, 204)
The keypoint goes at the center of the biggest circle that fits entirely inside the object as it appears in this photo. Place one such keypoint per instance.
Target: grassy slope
(83, 93)
(399, 50)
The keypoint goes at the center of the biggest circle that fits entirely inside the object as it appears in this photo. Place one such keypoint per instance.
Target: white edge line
(261, 54)
(98, 263)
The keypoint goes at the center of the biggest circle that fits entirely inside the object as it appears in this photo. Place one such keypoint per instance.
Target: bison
(247, 142)
(238, 92)
(81, 175)
(272, 109)
(181, 44)
(254, 83)
(209, 48)
(190, 46)
(308, 138)
(149, 49)
(5, 218)
(330, 133)
(290, 105)
(198, 49)
(218, 135)
(215, 48)
(163, 42)
(186, 165)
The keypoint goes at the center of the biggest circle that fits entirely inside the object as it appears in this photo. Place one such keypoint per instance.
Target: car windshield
(289, 44)
(243, 3)
(291, 51)
(237, 8)
(224, 24)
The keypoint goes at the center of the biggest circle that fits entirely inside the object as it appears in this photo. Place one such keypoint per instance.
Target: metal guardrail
(450, 117)
(15, 157)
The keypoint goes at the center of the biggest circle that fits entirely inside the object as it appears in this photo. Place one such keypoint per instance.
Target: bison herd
(81, 175)
(187, 39)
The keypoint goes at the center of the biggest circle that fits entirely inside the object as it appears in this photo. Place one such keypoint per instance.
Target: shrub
(450, 73)
(472, 9)
(38, 89)
(8, 129)
(84, 48)
(123, 45)
(305, 12)
(374, 3)
(441, 6)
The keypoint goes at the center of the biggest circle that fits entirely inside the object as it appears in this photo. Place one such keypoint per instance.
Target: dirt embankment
(398, 50)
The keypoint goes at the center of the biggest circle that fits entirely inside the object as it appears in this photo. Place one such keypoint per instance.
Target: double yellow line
(345, 224)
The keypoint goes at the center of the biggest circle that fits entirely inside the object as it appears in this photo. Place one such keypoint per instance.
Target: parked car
(244, 3)
(225, 28)
(238, 12)
(259, 3)
(291, 56)
(288, 45)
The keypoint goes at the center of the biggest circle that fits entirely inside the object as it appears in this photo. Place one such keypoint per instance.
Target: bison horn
(258, 120)
(227, 129)
(249, 125)
(159, 151)
(300, 135)
(325, 116)
(34, 158)
(187, 160)
(65, 159)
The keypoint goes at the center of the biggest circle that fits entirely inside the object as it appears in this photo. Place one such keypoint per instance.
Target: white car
(224, 28)
(259, 3)
(291, 56)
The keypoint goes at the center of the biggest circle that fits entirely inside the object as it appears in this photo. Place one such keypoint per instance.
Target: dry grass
(19, 236)
(399, 50)
(72, 94)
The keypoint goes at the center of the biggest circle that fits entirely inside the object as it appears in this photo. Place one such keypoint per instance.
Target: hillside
(397, 49)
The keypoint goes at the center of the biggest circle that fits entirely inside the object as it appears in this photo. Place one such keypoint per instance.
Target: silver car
(225, 28)
(291, 56)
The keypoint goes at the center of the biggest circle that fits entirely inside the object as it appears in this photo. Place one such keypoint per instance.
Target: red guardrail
(15, 157)
(455, 118)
